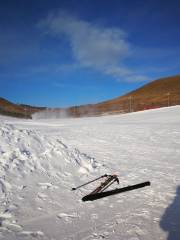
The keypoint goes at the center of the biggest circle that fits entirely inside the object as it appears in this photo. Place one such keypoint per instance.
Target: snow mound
(24, 152)
(35, 169)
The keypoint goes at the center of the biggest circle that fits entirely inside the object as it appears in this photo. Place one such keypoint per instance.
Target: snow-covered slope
(40, 161)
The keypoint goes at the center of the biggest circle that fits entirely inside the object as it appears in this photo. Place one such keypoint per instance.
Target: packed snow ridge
(41, 160)
(26, 151)
(30, 160)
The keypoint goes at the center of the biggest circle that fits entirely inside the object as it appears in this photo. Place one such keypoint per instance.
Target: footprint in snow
(31, 234)
(4, 216)
(67, 217)
(94, 216)
(20, 198)
(40, 208)
(6, 223)
(11, 226)
(100, 235)
(11, 208)
(47, 186)
(4, 186)
(42, 196)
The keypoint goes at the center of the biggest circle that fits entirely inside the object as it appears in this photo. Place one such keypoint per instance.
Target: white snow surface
(41, 160)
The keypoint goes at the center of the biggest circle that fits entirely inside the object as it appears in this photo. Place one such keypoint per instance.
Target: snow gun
(109, 180)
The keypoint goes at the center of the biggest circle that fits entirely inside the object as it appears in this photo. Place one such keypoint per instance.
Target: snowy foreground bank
(41, 160)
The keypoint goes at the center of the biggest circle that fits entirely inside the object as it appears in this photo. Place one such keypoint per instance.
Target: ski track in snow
(41, 160)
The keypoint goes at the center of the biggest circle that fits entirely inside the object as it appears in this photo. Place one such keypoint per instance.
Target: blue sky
(70, 52)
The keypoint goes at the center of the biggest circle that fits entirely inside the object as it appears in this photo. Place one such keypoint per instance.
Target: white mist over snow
(50, 114)
(41, 160)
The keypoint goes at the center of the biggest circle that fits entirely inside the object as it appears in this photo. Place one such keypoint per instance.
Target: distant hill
(159, 93)
(22, 111)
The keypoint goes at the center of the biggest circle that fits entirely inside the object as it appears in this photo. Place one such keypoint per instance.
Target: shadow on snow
(170, 221)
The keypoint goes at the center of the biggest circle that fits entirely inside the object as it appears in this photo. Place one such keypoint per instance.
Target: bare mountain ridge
(15, 110)
(159, 93)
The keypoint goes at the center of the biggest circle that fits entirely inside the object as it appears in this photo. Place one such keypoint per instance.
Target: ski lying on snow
(92, 197)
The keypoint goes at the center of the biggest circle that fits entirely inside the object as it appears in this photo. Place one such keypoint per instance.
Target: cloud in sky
(94, 46)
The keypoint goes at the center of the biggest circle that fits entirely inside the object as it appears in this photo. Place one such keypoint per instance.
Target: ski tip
(72, 189)
(148, 183)
(86, 198)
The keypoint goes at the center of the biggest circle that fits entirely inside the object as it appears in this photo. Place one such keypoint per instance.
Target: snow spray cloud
(75, 111)
(51, 114)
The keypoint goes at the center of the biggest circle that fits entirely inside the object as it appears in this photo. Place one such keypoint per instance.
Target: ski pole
(105, 175)
(102, 190)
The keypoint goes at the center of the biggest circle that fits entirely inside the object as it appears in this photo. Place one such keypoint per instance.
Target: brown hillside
(10, 109)
(159, 93)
